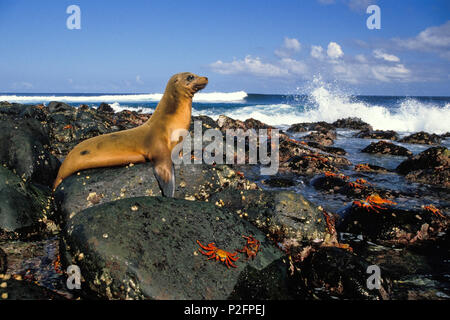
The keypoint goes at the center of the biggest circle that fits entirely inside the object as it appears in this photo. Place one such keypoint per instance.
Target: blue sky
(258, 46)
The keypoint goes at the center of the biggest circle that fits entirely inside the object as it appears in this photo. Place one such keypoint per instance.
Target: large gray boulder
(23, 207)
(145, 248)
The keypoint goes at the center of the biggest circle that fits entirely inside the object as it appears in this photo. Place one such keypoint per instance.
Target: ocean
(400, 113)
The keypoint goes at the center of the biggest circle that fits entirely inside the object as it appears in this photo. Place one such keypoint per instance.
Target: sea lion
(150, 141)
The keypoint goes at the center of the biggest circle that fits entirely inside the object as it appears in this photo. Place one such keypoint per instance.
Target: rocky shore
(309, 232)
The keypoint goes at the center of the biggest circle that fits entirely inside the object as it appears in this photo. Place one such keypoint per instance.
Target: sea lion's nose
(206, 79)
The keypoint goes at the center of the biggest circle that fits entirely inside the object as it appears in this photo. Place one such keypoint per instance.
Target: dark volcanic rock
(104, 107)
(430, 166)
(339, 183)
(70, 127)
(323, 137)
(314, 163)
(55, 106)
(145, 248)
(23, 207)
(26, 149)
(384, 147)
(282, 214)
(279, 182)
(377, 134)
(367, 167)
(336, 273)
(3, 261)
(311, 126)
(96, 186)
(333, 150)
(24, 290)
(352, 123)
(422, 138)
(391, 224)
(224, 123)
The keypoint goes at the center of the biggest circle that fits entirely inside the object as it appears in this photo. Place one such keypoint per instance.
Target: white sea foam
(237, 96)
(410, 115)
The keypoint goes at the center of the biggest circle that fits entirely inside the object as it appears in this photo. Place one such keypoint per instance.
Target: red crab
(373, 203)
(218, 254)
(431, 208)
(251, 248)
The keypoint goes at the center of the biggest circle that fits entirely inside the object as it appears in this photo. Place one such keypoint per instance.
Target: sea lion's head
(187, 84)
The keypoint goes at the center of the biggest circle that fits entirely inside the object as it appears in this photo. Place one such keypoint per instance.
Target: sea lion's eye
(190, 78)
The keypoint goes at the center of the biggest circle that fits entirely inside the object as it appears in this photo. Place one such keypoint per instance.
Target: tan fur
(150, 141)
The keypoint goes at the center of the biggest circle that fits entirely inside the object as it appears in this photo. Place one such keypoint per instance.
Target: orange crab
(331, 222)
(356, 185)
(219, 254)
(363, 167)
(431, 208)
(251, 248)
(373, 203)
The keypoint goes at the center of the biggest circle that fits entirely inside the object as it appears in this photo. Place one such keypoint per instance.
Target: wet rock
(333, 150)
(207, 123)
(430, 167)
(225, 123)
(388, 223)
(422, 138)
(280, 214)
(70, 127)
(289, 148)
(340, 183)
(37, 261)
(97, 186)
(145, 248)
(24, 207)
(105, 108)
(26, 149)
(311, 126)
(333, 273)
(367, 167)
(20, 111)
(323, 137)
(352, 123)
(13, 289)
(313, 163)
(384, 147)
(279, 182)
(55, 106)
(3, 261)
(377, 134)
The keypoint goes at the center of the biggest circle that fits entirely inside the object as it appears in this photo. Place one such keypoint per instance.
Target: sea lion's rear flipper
(165, 175)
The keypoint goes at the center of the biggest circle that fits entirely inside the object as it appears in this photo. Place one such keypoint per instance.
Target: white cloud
(432, 39)
(317, 52)
(332, 65)
(334, 50)
(388, 73)
(294, 67)
(290, 46)
(379, 54)
(250, 66)
(361, 58)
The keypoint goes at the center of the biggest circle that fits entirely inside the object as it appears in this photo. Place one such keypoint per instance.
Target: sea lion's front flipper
(165, 175)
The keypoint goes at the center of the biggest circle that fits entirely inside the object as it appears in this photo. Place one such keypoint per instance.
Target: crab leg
(209, 247)
(229, 263)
